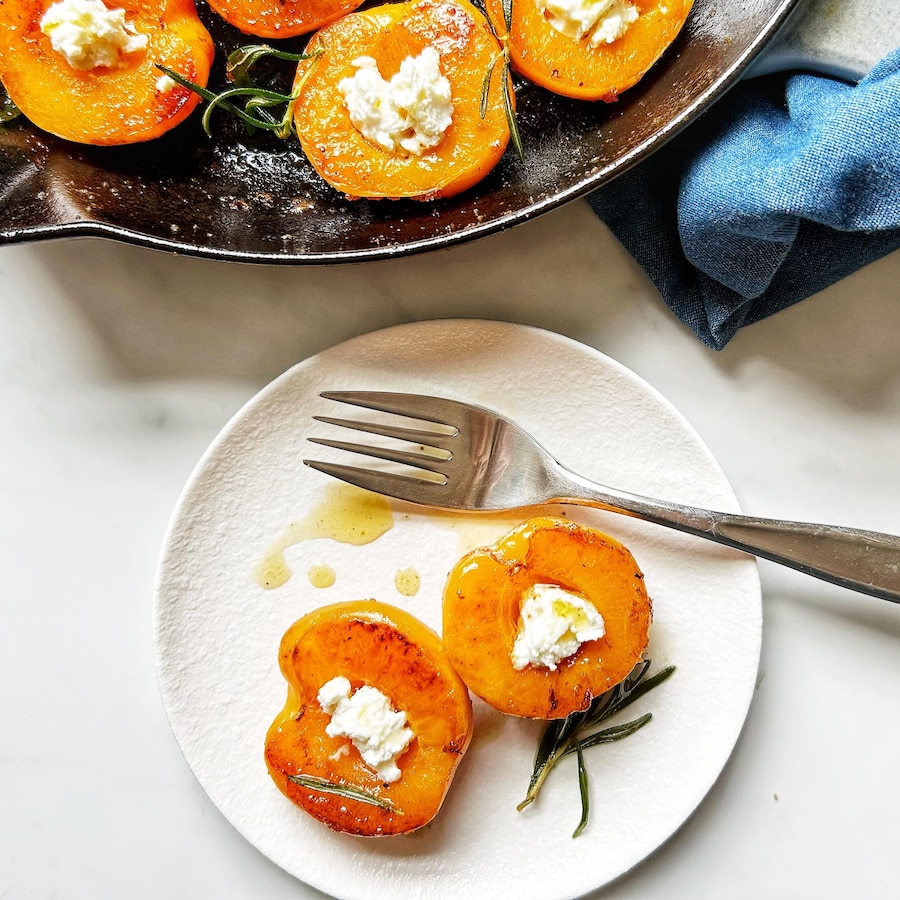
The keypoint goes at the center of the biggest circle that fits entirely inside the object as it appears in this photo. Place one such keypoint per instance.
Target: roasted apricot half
(390, 104)
(281, 18)
(563, 48)
(123, 101)
(375, 723)
(547, 618)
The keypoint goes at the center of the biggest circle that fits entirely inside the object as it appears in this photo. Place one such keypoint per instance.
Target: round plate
(217, 631)
(256, 199)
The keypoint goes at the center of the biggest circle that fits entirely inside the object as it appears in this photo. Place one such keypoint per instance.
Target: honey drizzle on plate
(345, 514)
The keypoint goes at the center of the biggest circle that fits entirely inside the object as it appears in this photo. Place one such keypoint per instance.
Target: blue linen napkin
(785, 186)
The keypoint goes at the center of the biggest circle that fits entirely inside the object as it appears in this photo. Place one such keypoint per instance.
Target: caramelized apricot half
(356, 165)
(574, 67)
(281, 18)
(118, 104)
(483, 602)
(379, 646)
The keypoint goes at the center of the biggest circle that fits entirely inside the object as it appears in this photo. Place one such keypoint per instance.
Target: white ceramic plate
(217, 630)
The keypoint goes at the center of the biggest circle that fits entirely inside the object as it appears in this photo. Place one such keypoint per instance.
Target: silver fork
(478, 460)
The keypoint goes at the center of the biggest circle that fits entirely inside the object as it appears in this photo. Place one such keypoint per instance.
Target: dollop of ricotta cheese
(408, 114)
(89, 34)
(598, 21)
(166, 83)
(553, 624)
(366, 716)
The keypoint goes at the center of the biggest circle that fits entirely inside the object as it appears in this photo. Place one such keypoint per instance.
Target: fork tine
(425, 461)
(402, 487)
(416, 406)
(413, 435)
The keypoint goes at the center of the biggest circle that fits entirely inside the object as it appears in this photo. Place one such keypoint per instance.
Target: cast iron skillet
(257, 199)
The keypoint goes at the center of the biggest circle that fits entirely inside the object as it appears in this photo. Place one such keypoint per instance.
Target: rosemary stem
(577, 732)
(541, 775)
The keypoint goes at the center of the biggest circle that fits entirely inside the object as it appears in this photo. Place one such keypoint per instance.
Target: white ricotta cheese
(89, 34)
(166, 83)
(598, 21)
(553, 624)
(408, 114)
(366, 716)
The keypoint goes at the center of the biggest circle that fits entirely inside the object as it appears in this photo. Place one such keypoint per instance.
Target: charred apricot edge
(376, 644)
(483, 597)
(575, 68)
(104, 105)
(281, 18)
(470, 147)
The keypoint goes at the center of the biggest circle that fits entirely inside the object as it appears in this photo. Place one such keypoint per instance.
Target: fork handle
(864, 561)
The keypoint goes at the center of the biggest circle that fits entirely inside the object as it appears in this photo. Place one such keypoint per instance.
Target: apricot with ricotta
(390, 102)
(588, 49)
(546, 619)
(85, 70)
(375, 722)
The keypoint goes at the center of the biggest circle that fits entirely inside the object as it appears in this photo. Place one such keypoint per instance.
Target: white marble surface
(119, 365)
(838, 38)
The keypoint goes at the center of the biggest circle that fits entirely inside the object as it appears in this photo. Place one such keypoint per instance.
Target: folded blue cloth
(787, 185)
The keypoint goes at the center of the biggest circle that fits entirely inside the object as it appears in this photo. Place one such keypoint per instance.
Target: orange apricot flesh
(355, 165)
(369, 643)
(481, 615)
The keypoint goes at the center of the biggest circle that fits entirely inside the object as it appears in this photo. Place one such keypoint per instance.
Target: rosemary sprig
(348, 791)
(503, 58)
(257, 101)
(574, 734)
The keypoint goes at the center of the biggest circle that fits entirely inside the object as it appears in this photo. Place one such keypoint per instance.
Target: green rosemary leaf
(572, 724)
(563, 737)
(493, 29)
(209, 96)
(507, 14)
(240, 61)
(625, 693)
(613, 733)
(256, 95)
(255, 111)
(258, 108)
(314, 783)
(486, 85)
(550, 738)
(583, 789)
(8, 109)
(600, 708)
(642, 688)
(508, 93)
